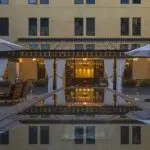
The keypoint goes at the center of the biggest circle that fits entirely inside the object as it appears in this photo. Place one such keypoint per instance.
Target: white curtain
(108, 67)
(49, 70)
(60, 71)
(120, 70)
(3, 64)
(17, 70)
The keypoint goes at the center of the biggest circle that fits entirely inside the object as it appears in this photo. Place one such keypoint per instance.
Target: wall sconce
(20, 60)
(135, 59)
(34, 59)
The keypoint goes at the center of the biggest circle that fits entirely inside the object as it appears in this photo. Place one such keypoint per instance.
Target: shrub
(41, 82)
(5, 83)
(128, 82)
(145, 83)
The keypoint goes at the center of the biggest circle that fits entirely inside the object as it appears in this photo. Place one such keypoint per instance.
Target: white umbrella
(140, 52)
(6, 46)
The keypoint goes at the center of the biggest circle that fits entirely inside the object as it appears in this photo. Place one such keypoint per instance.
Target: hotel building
(77, 25)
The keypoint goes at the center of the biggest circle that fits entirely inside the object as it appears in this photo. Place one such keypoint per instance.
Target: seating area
(16, 93)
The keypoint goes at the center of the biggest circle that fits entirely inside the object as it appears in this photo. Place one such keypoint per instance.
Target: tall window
(79, 135)
(136, 26)
(124, 1)
(4, 138)
(136, 135)
(78, 26)
(78, 1)
(90, 135)
(4, 27)
(124, 134)
(4, 1)
(33, 134)
(44, 26)
(90, 26)
(136, 1)
(124, 26)
(85, 135)
(44, 1)
(44, 134)
(32, 1)
(79, 46)
(32, 26)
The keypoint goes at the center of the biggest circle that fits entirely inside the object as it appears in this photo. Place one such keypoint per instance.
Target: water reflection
(84, 97)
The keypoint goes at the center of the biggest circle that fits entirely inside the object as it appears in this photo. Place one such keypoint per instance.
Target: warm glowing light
(34, 59)
(20, 60)
(84, 103)
(135, 59)
(148, 59)
(84, 59)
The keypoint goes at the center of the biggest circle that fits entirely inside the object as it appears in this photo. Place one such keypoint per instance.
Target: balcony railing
(77, 110)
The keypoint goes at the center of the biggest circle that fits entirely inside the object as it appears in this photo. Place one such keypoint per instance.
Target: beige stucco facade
(61, 138)
(61, 16)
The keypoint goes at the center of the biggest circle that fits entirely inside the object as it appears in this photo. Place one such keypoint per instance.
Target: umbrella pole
(54, 81)
(115, 81)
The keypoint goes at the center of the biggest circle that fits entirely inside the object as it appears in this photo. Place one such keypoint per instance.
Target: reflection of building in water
(87, 71)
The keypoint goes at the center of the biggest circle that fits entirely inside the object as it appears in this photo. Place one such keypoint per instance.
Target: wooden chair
(13, 96)
(26, 90)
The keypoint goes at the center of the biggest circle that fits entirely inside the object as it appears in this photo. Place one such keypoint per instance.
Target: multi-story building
(55, 24)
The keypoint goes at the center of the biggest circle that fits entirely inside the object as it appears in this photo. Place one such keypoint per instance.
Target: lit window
(32, 1)
(4, 1)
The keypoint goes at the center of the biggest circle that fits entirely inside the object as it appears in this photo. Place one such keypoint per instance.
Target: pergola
(63, 48)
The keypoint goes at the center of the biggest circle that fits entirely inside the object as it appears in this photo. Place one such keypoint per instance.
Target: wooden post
(115, 81)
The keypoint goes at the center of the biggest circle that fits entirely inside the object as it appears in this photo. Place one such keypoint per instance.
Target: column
(17, 70)
(120, 70)
(108, 67)
(60, 72)
(49, 70)
(3, 64)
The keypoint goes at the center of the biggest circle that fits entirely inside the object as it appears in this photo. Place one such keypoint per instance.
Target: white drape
(17, 70)
(120, 70)
(60, 71)
(49, 70)
(108, 67)
(3, 64)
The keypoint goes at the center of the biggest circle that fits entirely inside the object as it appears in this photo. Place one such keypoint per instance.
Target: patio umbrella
(6, 46)
(141, 52)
